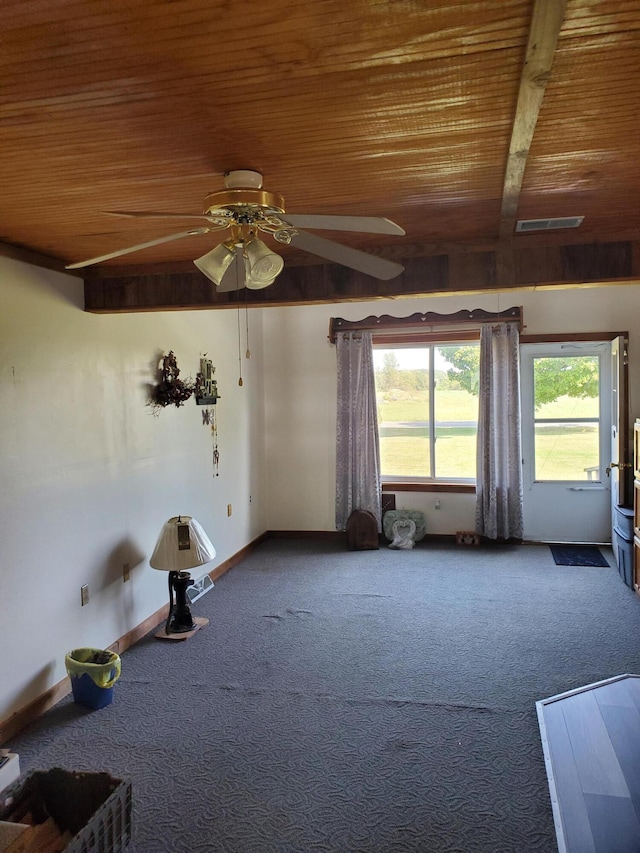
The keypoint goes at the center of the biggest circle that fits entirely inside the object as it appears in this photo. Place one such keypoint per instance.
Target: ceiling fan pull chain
(240, 382)
(246, 317)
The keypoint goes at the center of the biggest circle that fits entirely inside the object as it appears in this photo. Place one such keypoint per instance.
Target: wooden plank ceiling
(451, 118)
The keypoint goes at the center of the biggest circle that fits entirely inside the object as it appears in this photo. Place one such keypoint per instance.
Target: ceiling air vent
(524, 225)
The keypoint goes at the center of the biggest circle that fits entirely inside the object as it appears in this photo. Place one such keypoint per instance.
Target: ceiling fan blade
(362, 261)
(154, 214)
(366, 224)
(234, 277)
(193, 232)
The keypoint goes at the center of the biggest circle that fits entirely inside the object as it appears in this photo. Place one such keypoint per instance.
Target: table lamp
(182, 545)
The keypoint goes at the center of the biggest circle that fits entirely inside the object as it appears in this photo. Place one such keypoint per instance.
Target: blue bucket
(86, 692)
(93, 673)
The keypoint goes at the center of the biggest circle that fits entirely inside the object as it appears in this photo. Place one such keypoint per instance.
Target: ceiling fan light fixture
(262, 265)
(253, 284)
(216, 262)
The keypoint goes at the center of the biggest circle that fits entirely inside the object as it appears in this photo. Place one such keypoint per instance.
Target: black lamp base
(180, 620)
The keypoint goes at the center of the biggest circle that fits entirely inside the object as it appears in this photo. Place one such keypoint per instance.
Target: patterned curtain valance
(386, 323)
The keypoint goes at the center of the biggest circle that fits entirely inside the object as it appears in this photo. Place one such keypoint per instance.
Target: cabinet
(636, 505)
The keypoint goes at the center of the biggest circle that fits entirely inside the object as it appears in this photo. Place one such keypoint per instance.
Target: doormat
(577, 555)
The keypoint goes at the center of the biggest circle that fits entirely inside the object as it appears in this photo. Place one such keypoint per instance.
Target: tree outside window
(427, 399)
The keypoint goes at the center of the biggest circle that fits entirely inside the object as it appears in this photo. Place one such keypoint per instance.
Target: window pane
(567, 451)
(407, 443)
(456, 410)
(402, 386)
(567, 409)
(570, 407)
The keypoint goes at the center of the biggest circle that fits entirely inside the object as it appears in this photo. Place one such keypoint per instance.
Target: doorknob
(617, 465)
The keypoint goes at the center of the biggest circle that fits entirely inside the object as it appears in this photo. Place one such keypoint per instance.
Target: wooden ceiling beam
(546, 21)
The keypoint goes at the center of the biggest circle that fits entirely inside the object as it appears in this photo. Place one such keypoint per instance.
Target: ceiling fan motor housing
(243, 194)
(243, 198)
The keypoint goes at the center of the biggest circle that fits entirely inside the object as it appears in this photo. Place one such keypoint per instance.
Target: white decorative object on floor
(404, 531)
(200, 586)
(393, 515)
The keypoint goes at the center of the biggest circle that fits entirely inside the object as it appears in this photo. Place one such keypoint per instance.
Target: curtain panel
(499, 463)
(358, 484)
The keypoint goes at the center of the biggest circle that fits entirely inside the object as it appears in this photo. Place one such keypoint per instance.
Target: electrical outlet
(126, 572)
(437, 503)
(84, 594)
(229, 510)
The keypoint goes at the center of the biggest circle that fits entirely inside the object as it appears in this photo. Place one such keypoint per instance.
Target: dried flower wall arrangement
(171, 390)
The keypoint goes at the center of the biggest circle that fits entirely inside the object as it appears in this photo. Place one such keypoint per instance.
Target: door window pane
(567, 418)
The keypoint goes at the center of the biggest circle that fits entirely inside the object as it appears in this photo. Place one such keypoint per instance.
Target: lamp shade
(216, 262)
(182, 545)
(263, 265)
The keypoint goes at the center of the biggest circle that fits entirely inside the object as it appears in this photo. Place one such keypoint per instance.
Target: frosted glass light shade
(182, 545)
(262, 265)
(216, 262)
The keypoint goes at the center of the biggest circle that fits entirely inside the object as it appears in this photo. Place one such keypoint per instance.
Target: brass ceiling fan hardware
(216, 203)
(246, 209)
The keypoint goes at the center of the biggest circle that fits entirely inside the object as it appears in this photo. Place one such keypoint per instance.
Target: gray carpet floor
(353, 701)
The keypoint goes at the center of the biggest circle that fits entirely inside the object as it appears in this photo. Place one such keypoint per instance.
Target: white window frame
(599, 350)
(429, 342)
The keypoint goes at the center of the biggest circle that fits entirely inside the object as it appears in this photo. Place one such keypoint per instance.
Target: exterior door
(620, 466)
(566, 441)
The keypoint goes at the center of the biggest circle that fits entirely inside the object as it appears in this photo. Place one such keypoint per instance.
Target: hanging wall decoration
(206, 388)
(171, 390)
(207, 395)
(209, 419)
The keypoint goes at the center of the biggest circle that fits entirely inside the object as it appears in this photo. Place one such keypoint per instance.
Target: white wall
(300, 391)
(89, 474)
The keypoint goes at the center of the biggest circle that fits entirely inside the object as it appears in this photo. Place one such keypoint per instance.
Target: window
(567, 417)
(427, 397)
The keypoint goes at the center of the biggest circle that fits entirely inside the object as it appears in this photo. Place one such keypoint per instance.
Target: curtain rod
(414, 321)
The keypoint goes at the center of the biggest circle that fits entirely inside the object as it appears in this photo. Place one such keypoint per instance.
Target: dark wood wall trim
(325, 535)
(517, 264)
(36, 259)
(573, 336)
(460, 488)
(387, 323)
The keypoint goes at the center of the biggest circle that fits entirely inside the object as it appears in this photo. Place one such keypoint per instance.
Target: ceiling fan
(246, 210)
